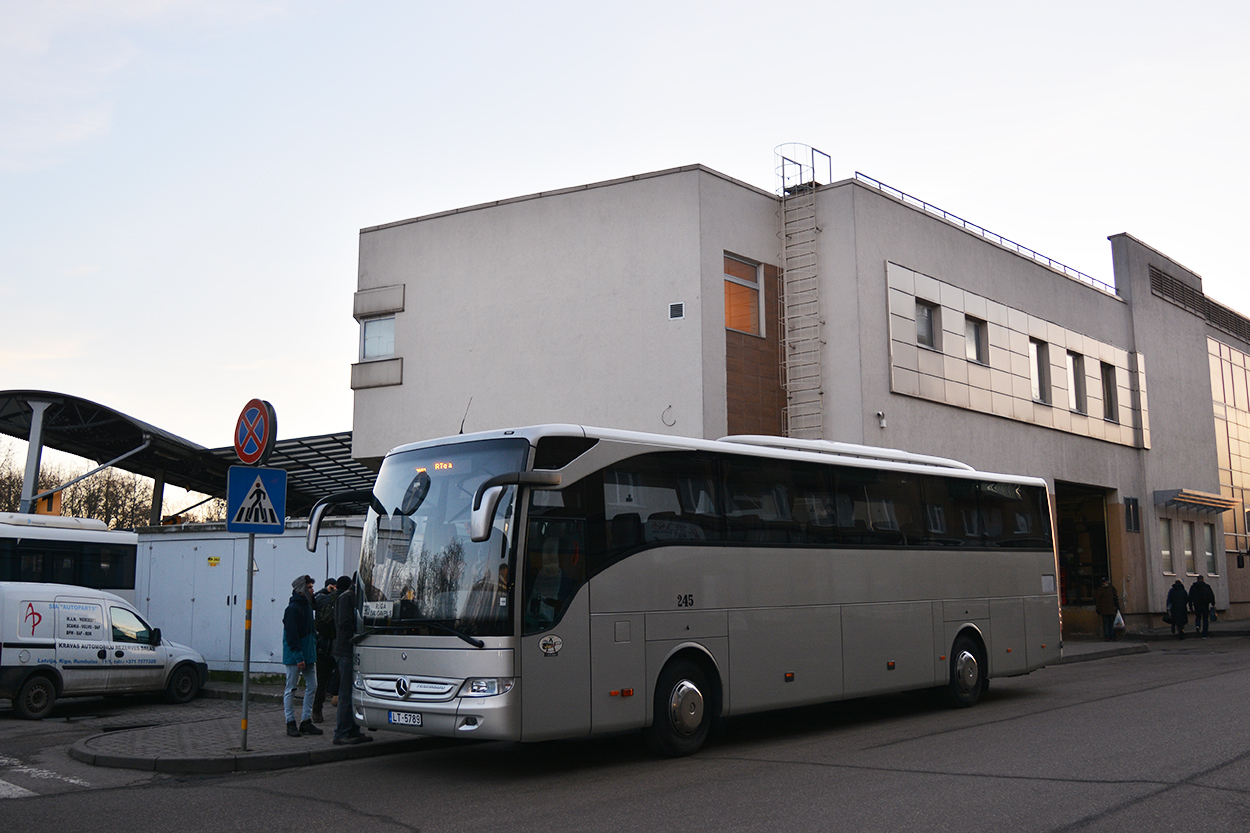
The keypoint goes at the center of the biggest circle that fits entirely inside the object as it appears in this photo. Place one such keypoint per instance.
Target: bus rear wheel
(967, 680)
(682, 709)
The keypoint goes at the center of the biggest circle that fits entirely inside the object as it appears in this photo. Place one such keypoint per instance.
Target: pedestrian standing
(299, 655)
(1107, 605)
(327, 679)
(1201, 600)
(1178, 605)
(345, 729)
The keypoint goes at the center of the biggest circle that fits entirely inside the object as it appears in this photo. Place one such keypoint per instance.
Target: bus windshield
(420, 571)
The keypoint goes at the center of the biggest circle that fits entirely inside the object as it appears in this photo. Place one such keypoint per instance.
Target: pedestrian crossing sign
(255, 499)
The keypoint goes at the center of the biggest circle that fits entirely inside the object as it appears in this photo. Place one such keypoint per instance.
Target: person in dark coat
(299, 655)
(1201, 600)
(1178, 605)
(327, 676)
(1106, 605)
(345, 729)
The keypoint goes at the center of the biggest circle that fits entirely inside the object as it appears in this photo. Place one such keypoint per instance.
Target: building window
(742, 295)
(976, 348)
(928, 325)
(1132, 515)
(1110, 407)
(377, 338)
(1076, 383)
(1208, 545)
(1165, 544)
(1039, 370)
(1187, 530)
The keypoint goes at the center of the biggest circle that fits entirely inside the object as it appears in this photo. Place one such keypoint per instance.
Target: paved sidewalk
(212, 745)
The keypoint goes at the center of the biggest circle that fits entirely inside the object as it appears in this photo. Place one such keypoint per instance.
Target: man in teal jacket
(299, 655)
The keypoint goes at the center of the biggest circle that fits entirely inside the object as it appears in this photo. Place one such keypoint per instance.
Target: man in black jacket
(1201, 599)
(327, 680)
(345, 730)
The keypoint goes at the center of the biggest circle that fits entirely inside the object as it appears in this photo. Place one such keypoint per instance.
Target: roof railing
(1067, 271)
(868, 452)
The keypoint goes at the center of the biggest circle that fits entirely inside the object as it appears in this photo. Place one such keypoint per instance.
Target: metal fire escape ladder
(802, 325)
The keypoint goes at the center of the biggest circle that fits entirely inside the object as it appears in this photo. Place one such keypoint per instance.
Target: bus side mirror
(323, 506)
(486, 500)
(482, 519)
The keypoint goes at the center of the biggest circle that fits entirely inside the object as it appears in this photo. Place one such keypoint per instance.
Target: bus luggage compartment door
(618, 671)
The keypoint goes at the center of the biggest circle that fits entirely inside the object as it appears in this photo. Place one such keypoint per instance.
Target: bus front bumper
(497, 717)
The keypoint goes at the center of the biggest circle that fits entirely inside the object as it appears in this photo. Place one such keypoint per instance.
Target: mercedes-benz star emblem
(401, 686)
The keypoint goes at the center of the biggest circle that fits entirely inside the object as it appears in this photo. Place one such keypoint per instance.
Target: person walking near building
(345, 729)
(327, 679)
(1107, 605)
(1201, 600)
(1178, 605)
(299, 655)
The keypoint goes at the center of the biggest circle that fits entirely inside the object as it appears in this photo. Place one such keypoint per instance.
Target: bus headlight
(486, 686)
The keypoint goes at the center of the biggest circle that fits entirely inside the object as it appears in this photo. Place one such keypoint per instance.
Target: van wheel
(184, 684)
(682, 709)
(967, 680)
(35, 698)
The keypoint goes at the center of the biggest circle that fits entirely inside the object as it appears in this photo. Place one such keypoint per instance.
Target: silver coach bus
(558, 581)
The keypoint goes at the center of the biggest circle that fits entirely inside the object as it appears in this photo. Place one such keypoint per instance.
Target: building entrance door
(1082, 537)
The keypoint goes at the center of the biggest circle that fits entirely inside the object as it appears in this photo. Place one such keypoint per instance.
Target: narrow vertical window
(926, 325)
(1039, 370)
(1076, 383)
(1132, 515)
(742, 295)
(377, 338)
(1187, 531)
(1165, 544)
(1110, 407)
(975, 348)
(1208, 545)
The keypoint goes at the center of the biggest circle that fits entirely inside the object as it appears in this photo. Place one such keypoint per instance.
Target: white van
(57, 640)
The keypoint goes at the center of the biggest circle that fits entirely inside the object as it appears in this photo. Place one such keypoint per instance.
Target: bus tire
(967, 679)
(35, 698)
(184, 684)
(683, 709)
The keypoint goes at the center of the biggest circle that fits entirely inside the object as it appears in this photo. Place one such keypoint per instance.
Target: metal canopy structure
(316, 466)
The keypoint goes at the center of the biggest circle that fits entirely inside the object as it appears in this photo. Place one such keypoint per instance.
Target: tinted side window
(559, 540)
(952, 516)
(660, 498)
(1015, 515)
(878, 508)
(780, 502)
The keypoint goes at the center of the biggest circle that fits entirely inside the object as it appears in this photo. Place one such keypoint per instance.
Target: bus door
(555, 631)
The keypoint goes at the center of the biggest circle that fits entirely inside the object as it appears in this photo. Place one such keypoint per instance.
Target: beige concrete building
(689, 303)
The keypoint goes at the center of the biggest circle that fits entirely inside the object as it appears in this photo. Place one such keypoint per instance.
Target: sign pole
(247, 635)
(255, 434)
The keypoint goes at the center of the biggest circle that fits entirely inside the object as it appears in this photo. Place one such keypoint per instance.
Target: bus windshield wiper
(430, 623)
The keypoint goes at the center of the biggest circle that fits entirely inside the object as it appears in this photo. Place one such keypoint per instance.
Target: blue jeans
(293, 673)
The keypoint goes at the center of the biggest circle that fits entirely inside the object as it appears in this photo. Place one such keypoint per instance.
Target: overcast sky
(182, 183)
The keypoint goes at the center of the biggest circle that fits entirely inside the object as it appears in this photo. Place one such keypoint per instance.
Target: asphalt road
(1148, 742)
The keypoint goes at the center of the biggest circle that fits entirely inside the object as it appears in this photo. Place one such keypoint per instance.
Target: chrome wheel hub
(685, 707)
(967, 672)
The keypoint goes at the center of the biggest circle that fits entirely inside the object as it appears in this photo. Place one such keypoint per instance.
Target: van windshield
(420, 571)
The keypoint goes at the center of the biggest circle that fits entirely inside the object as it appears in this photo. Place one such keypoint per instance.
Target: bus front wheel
(967, 680)
(682, 709)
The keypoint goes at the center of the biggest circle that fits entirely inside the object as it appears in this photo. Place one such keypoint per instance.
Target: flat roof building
(689, 303)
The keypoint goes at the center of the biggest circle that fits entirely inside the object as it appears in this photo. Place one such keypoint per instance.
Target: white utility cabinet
(190, 578)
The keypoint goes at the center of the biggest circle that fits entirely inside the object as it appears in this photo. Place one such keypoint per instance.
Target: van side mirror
(154, 638)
